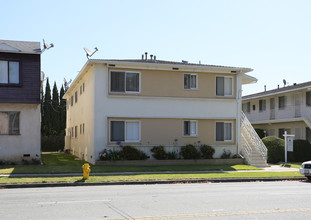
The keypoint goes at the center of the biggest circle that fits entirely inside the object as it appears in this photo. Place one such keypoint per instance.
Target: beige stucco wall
(287, 125)
(13, 147)
(155, 132)
(171, 84)
(82, 112)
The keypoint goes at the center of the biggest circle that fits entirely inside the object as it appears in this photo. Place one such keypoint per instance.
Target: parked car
(305, 169)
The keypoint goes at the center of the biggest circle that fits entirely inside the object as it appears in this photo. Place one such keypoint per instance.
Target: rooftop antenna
(89, 53)
(46, 46)
(284, 82)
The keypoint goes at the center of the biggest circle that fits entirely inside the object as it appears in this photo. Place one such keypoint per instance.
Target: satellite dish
(46, 46)
(284, 82)
(89, 53)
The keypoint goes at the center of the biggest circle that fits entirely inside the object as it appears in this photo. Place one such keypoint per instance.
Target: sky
(271, 37)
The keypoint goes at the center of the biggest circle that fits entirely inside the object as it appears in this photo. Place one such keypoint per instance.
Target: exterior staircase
(252, 147)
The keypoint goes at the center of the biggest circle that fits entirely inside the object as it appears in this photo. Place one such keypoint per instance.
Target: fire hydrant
(86, 170)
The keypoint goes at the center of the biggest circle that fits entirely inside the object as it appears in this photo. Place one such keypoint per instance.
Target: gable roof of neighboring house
(165, 65)
(27, 47)
(286, 89)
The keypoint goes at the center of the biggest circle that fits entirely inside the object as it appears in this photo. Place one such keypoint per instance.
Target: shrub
(159, 153)
(173, 155)
(190, 152)
(260, 132)
(275, 148)
(207, 151)
(109, 155)
(225, 154)
(302, 151)
(132, 153)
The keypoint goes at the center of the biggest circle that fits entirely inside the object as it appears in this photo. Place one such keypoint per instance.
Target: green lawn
(294, 165)
(148, 177)
(66, 163)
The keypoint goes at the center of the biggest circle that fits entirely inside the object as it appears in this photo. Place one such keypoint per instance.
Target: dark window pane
(281, 102)
(117, 130)
(308, 134)
(132, 82)
(219, 131)
(308, 98)
(193, 83)
(14, 72)
(186, 128)
(117, 81)
(14, 123)
(186, 81)
(220, 86)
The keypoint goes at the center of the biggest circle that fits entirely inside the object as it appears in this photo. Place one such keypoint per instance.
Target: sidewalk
(272, 168)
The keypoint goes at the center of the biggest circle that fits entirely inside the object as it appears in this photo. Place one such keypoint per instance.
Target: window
(128, 131)
(83, 87)
(190, 81)
(124, 82)
(80, 128)
(272, 132)
(9, 123)
(282, 131)
(246, 107)
(9, 72)
(282, 102)
(254, 107)
(298, 133)
(76, 96)
(83, 128)
(190, 128)
(308, 98)
(76, 131)
(71, 100)
(224, 86)
(223, 131)
(81, 90)
(72, 134)
(262, 105)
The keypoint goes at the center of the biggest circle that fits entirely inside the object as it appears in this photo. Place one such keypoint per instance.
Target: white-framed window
(246, 107)
(224, 86)
(262, 105)
(190, 81)
(127, 131)
(76, 131)
(190, 128)
(9, 123)
(9, 72)
(76, 96)
(224, 131)
(125, 82)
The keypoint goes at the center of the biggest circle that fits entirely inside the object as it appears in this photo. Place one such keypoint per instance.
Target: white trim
(197, 81)
(125, 92)
(125, 121)
(224, 87)
(231, 122)
(196, 128)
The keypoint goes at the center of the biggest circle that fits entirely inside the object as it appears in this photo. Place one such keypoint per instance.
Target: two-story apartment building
(283, 109)
(150, 102)
(19, 101)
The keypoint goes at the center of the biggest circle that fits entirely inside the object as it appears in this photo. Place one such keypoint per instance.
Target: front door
(272, 108)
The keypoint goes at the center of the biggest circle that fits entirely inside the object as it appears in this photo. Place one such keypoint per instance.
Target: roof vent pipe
(151, 56)
(142, 56)
(155, 58)
(146, 55)
(278, 86)
(265, 88)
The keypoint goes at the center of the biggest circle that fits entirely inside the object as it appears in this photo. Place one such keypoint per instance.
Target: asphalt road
(253, 200)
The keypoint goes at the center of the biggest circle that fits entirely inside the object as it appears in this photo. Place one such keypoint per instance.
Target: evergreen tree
(55, 125)
(46, 111)
(62, 105)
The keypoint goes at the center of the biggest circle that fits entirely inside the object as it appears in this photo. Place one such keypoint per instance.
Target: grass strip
(149, 177)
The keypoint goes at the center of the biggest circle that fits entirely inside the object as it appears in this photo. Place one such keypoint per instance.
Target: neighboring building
(283, 109)
(19, 101)
(149, 102)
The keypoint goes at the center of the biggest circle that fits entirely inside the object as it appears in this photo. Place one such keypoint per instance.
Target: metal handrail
(248, 130)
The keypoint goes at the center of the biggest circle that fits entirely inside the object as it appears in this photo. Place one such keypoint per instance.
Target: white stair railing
(251, 135)
(246, 149)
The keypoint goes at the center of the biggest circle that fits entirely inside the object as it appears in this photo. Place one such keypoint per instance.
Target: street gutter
(186, 181)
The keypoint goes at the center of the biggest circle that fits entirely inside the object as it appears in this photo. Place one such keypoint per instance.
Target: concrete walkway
(272, 168)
